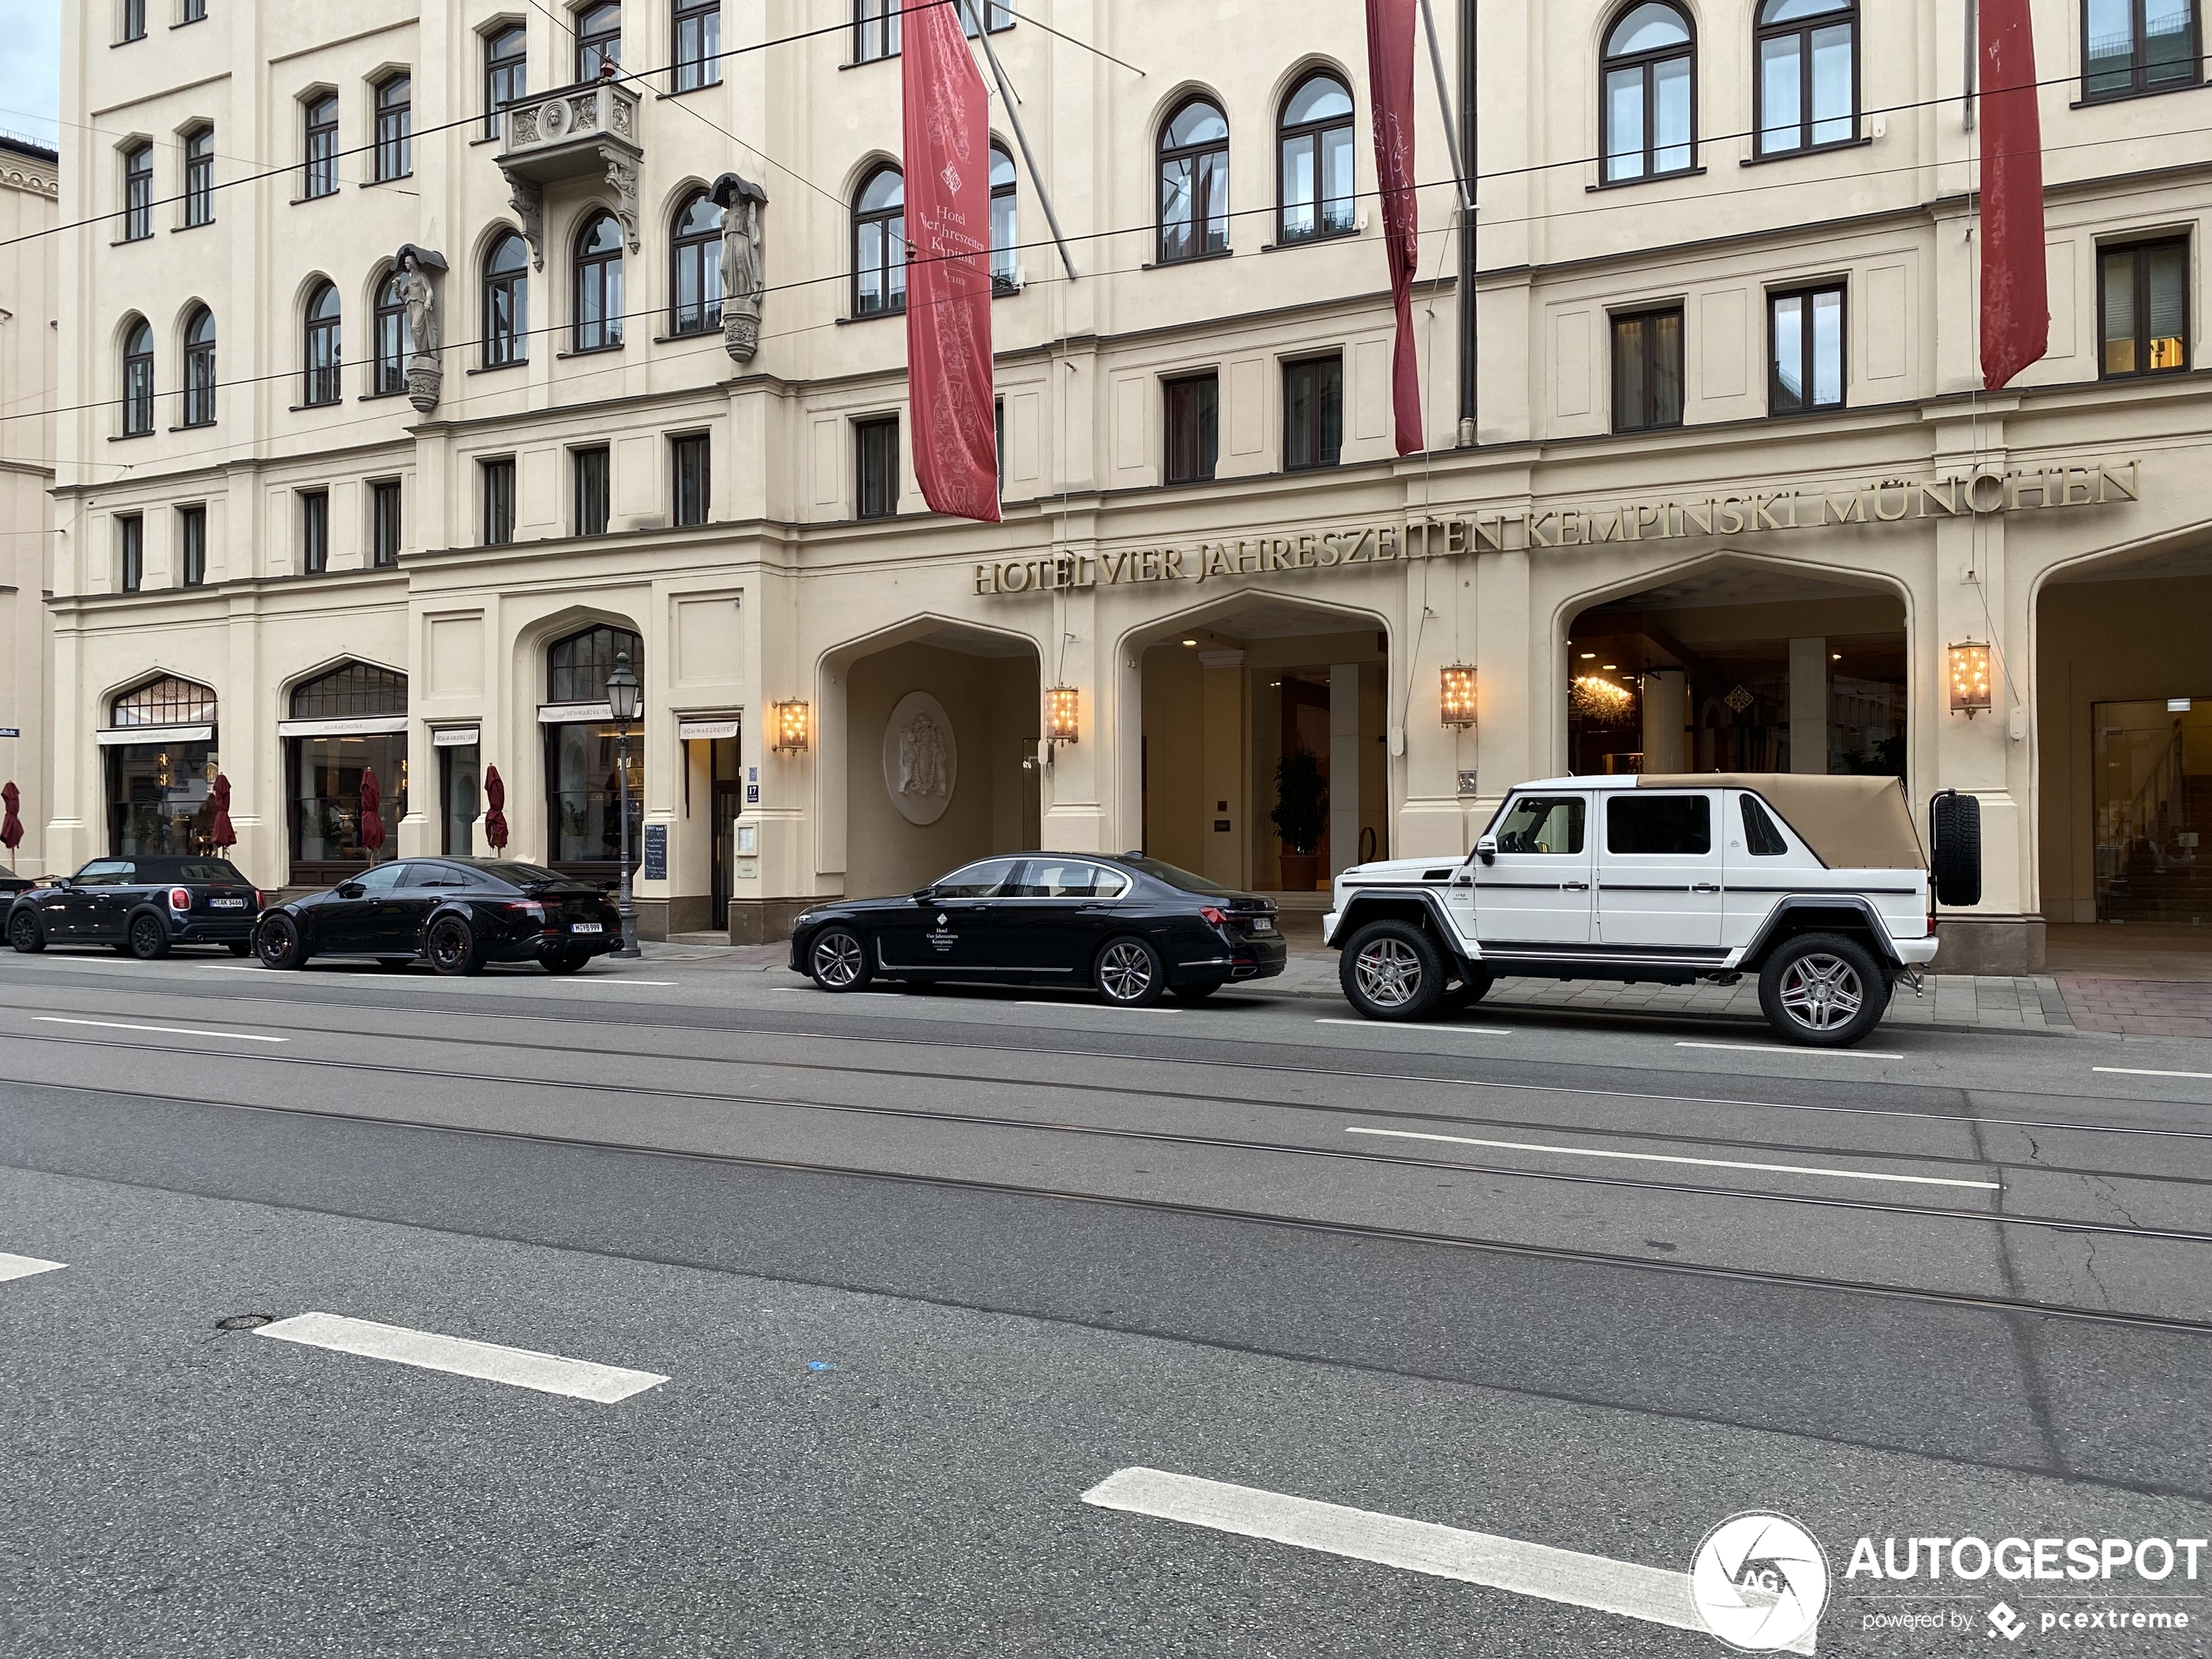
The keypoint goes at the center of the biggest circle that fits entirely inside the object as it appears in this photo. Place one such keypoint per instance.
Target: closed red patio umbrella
(372, 820)
(11, 826)
(496, 820)
(224, 835)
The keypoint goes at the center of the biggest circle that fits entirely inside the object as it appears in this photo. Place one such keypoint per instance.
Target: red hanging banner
(948, 281)
(1390, 76)
(2015, 297)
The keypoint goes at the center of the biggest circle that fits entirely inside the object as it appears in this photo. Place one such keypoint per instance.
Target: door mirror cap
(1487, 849)
(922, 895)
(352, 890)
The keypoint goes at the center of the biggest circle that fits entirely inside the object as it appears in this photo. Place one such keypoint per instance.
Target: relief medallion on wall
(920, 760)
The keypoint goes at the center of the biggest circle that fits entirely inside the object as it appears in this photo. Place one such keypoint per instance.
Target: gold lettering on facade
(1853, 510)
(2127, 490)
(1882, 514)
(1974, 501)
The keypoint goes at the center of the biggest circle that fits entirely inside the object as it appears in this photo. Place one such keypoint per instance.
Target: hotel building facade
(401, 398)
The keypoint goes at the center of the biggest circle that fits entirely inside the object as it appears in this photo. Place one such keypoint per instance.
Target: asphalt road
(907, 1276)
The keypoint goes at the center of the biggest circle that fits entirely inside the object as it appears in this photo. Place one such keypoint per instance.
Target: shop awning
(114, 736)
(454, 736)
(356, 725)
(572, 713)
(700, 728)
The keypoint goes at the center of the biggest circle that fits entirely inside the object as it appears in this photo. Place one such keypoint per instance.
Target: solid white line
(546, 1373)
(1660, 1157)
(1652, 1593)
(1776, 1048)
(24, 1266)
(2136, 1071)
(167, 1030)
(1392, 1025)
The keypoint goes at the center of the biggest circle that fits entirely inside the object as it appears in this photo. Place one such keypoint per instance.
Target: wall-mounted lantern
(1458, 696)
(1970, 679)
(1063, 715)
(791, 727)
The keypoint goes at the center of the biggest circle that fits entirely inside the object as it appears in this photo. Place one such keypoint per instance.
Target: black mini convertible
(459, 914)
(1129, 928)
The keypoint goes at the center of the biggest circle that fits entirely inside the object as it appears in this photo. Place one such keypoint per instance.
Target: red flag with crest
(2015, 296)
(1390, 76)
(948, 281)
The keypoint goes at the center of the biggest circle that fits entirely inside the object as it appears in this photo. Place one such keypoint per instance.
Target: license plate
(1263, 926)
(226, 904)
(585, 928)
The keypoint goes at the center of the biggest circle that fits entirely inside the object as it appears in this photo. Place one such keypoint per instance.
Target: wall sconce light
(1458, 696)
(791, 727)
(1970, 679)
(1063, 714)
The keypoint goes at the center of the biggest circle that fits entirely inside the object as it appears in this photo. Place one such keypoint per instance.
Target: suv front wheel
(1824, 990)
(1392, 970)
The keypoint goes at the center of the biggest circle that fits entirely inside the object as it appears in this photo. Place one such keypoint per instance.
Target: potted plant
(1301, 817)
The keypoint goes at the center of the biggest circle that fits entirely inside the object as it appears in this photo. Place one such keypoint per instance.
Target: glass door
(2154, 810)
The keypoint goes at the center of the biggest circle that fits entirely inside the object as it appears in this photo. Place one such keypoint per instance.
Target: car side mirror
(59, 883)
(352, 890)
(1487, 849)
(922, 895)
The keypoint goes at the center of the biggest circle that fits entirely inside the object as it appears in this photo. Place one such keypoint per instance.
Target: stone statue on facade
(921, 758)
(412, 270)
(744, 271)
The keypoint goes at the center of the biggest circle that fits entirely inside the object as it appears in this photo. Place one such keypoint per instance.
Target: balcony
(585, 130)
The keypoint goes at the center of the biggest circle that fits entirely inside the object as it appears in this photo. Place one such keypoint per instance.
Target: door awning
(114, 737)
(352, 726)
(699, 728)
(572, 713)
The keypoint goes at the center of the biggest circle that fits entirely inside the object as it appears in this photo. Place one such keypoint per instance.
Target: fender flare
(1769, 932)
(1352, 920)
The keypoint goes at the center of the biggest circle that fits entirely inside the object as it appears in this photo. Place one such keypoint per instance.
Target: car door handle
(1706, 886)
(1574, 887)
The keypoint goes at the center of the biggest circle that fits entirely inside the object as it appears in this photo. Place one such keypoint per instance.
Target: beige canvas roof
(1850, 823)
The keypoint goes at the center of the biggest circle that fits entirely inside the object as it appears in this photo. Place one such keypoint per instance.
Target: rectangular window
(593, 493)
(1194, 427)
(460, 797)
(698, 44)
(875, 29)
(499, 501)
(137, 193)
(321, 152)
(1312, 413)
(688, 463)
(133, 532)
(195, 11)
(1647, 370)
(384, 523)
(506, 72)
(199, 178)
(2143, 309)
(1806, 351)
(314, 531)
(1659, 826)
(876, 444)
(1543, 824)
(134, 19)
(2133, 46)
(395, 128)
(192, 536)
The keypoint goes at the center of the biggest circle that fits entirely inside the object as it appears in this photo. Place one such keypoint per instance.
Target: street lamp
(622, 704)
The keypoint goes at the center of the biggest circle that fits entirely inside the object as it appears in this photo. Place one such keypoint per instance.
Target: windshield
(1175, 877)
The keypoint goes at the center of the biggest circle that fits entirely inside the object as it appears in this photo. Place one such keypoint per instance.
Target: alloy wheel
(448, 945)
(148, 939)
(838, 961)
(1125, 971)
(23, 933)
(1390, 974)
(1822, 992)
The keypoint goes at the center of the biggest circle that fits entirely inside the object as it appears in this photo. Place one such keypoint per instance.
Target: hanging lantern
(1970, 679)
(1458, 696)
(1063, 714)
(791, 727)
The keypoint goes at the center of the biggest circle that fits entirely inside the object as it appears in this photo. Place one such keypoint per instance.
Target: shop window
(498, 477)
(507, 302)
(695, 268)
(320, 167)
(460, 796)
(1648, 95)
(1808, 74)
(130, 530)
(2143, 305)
(880, 245)
(384, 527)
(199, 369)
(1315, 155)
(192, 538)
(506, 72)
(876, 445)
(698, 44)
(395, 127)
(1193, 427)
(314, 531)
(1806, 356)
(2130, 47)
(137, 193)
(582, 774)
(1194, 183)
(1647, 370)
(199, 178)
(598, 285)
(1312, 413)
(688, 466)
(598, 41)
(328, 765)
(594, 488)
(160, 793)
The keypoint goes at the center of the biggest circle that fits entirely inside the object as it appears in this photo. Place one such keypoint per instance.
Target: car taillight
(528, 909)
(1219, 919)
(258, 899)
(179, 899)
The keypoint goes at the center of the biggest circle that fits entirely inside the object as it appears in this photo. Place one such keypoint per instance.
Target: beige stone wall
(29, 308)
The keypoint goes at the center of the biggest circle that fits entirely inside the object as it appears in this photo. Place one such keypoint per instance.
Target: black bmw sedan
(459, 914)
(1129, 928)
(143, 906)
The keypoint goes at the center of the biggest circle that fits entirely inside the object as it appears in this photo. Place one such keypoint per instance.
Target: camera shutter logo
(1759, 1582)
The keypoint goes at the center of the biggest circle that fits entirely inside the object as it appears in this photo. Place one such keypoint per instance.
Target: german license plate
(1263, 926)
(226, 904)
(585, 928)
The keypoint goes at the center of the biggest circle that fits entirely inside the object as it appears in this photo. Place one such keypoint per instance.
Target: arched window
(598, 39)
(507, 302)
(200, 177)
(1194, 183)
(166, 701)
(598, 284)
(1649, 94)
(322, 356)
(137, 380)
(1006, 242)
(1808, 74)
(389, 337)
(577, 668)
(1316, 150)
(584, 753)
(199, 369)
(880, 245)
(695, 268)
(160, 789)
(356, 690)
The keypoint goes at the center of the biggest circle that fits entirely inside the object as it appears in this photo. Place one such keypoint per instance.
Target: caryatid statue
(744, 272)
(411, 268)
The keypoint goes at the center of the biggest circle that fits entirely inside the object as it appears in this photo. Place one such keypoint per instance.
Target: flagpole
(1451, 122)
(1021, 137)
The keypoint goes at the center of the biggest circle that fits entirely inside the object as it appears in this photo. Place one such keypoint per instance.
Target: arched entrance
(584, 754)
(1740, 667)
(342, 727)
(161, 757)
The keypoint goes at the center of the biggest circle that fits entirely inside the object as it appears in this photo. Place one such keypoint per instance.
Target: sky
(30, 68)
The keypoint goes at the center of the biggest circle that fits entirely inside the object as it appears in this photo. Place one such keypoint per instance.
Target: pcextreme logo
(1760, 1582)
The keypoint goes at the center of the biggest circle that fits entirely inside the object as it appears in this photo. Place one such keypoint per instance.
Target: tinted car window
(200, 870)
(106, 872)
(382, 879)
(977, 881)
(523, 876)
(1675, 826)
(1543, 824)
(438, 875)
(1069, 879)
(1759, 833)
(1175, 878)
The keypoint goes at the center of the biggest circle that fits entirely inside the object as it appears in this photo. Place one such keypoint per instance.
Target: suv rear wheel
(1824, 990)
(1392, 970)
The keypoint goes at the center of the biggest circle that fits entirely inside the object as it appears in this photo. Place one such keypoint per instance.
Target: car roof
(1849, 821)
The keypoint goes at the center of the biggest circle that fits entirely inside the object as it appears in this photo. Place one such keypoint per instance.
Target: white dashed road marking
(2137, 1071)
(1662, 1158)
(1466, 1030)
(1776, 1048)
(1651, 1593)
(166, 1030)
(24, 1266)
(520, 1367)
